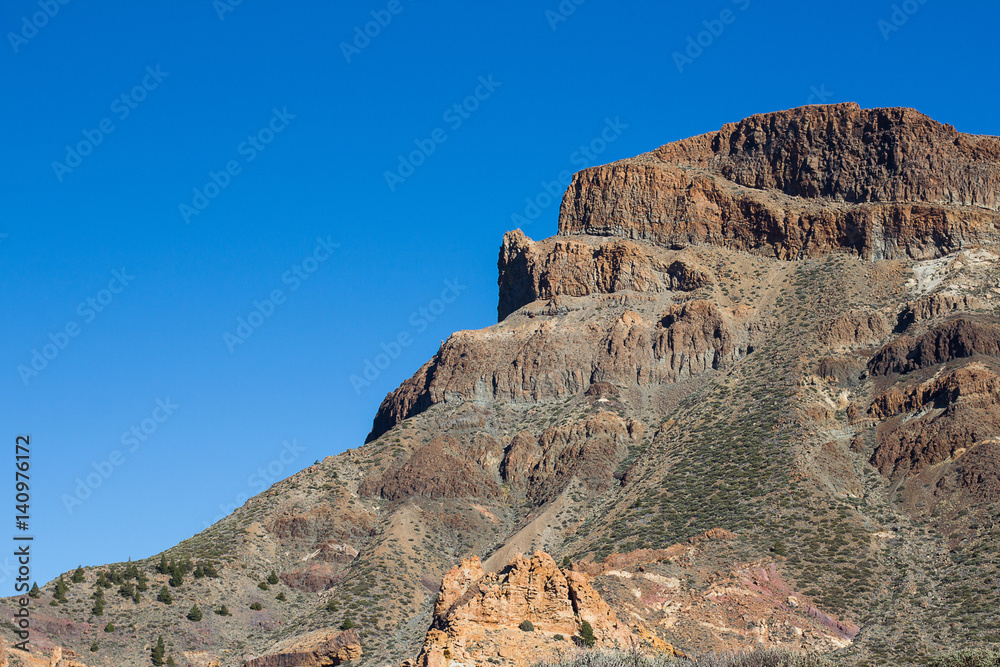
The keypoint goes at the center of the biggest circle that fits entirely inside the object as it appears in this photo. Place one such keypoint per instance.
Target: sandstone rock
(321, 648)
(879, 182)
(477, 615)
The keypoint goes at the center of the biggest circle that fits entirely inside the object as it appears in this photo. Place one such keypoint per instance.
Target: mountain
(749, 394)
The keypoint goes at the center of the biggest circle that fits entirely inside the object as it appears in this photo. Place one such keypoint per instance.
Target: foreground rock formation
(748, 396)
(529, 611)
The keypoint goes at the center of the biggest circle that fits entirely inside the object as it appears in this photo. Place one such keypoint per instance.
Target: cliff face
(883, 183)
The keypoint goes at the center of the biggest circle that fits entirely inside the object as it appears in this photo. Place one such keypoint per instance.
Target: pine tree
(222, 611)
(95, 647)
(170, 661)
(194, 614)
(78, 575)
(162, 567)
(209, 569)
(137, 598)
(272, 578)
(141, 582)
(126, 590)
(280, 597)
(164, 596)
(159, 651)
(177, 576)
(98, 608)
(198, 572)
(61, 588)
(34, 592)
(110, 627)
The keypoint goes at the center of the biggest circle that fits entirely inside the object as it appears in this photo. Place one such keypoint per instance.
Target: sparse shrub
(347, 624)
(256, 606)
(272, 578)
(262, 586)
(587, 635)
(331, 606)
(94, 648)
(110, 627)
(164, 596)
(527, 626)
(280, 597)
(558, 638)
(222, 611)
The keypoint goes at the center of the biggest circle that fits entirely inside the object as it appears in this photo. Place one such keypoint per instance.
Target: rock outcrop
(529, 271)
(527, 612)
(882, 183)
(321, 648)
(935, 420)
(955, 339)
(529, 359)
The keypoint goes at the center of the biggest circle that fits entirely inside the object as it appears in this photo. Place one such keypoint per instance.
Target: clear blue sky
(115, 113)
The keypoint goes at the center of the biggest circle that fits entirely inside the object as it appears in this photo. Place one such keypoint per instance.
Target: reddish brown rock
(855, 328)
(955, 339)
(440, 469)
(933, 421)
(879, 182)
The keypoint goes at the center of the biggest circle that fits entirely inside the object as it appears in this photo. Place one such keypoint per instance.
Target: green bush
(587, 635)
(527, 626)
(110, 627)
(195, 614)
(256, 606)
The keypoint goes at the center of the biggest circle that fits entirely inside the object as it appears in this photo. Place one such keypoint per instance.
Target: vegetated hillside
(748, 395)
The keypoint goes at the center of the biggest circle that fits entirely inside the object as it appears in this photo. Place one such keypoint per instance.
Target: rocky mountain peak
(881, 183)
